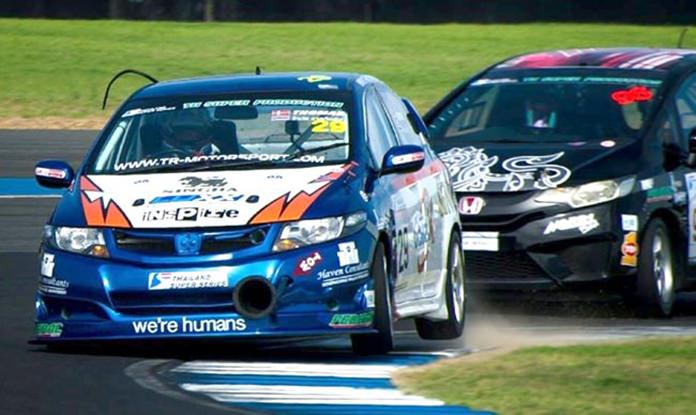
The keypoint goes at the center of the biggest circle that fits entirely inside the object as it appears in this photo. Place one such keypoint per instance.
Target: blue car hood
(202, 199)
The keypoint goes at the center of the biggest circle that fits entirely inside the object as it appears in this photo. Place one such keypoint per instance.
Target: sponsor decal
(98, 207)
(306, 265)
(352, 320)
(370, 298)
(660, 194)
(51, 173)
(175, 161)
(141, 111)
(202, 198)
(647, 184)
(422, 225)
(307, 115)
(608, 143)
(182, 280)
(583, 223)
(47, 283)
(299, 103)
(49, 329)
(629, 250)
(691, 212)
(480, 241)
(48, 262)
(344, 275)
(281, 115)
(631, 95)
(471, 205)
(407, 158)
(629, 222)
(471, 171)
(348, 254)
(193, 182)
(188, 325)
(53, 286)
(190, 214)
(314, 78)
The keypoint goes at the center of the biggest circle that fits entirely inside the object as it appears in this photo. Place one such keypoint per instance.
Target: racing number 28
(322, 125)
(401, 245)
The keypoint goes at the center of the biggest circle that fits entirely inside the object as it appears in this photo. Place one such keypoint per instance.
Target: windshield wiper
(315, 150)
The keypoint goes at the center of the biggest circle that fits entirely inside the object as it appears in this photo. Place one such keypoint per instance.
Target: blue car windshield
(548, 106)
(221, 132)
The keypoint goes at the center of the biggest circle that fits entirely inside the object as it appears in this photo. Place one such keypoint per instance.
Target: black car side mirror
(691, 160)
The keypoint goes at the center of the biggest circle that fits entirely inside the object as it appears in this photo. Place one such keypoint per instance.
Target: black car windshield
(548, 106)
(228, 131)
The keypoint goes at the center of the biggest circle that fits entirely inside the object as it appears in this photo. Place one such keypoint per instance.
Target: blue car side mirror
(54, 174)
(403, 159)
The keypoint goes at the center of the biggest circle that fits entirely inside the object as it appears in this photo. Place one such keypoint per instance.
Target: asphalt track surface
(212, 378)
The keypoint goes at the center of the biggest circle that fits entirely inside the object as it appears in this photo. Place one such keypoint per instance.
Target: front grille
(144, 245)
(516, 265)
(162, 243)
(172, 301)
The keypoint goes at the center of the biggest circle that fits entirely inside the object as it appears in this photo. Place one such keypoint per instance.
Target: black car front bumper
(546, 248)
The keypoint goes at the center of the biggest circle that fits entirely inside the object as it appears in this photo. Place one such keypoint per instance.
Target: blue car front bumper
(316, 291)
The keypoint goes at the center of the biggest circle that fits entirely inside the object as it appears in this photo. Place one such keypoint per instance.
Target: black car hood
(512, 167)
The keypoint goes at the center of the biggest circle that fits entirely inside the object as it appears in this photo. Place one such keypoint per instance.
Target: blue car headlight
(86, 241)
(313, 231)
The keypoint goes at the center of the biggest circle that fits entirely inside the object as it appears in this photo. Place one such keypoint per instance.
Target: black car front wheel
(382, 341)
(656, 283)
(455, 298)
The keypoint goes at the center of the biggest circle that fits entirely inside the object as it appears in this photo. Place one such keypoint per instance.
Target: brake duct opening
(254, 297)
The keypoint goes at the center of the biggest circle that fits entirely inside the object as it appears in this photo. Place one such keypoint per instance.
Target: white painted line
(289, 369)
(30, 196)
(331, 395)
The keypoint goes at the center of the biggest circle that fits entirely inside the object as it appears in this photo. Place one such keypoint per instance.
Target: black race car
(577, 166)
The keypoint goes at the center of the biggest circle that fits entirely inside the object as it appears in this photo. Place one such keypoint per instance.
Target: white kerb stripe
(330, 395)
(289, 369)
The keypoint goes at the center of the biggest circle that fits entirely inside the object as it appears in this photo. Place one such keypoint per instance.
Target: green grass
(60, 68)
(642, 377)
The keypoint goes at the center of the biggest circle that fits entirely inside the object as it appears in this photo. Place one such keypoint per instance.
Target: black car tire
(656, 282)
(455, 297)
(383, 341)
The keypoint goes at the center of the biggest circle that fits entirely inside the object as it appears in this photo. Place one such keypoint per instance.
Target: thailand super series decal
(471, 170)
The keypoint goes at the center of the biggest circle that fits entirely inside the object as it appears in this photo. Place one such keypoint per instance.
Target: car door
(427, 223)
(402, 196)
(683, 177)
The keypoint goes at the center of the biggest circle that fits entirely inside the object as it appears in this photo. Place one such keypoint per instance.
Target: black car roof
(618, 58)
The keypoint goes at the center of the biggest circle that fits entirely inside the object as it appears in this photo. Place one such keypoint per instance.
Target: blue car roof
(289, 81)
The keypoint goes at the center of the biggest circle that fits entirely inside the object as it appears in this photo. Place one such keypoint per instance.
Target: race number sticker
(322, 125)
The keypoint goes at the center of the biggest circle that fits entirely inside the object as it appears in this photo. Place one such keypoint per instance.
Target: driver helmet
(541, 110)
(189, 129)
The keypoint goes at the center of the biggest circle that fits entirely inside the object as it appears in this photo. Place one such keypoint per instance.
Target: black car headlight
(588, 194)
(313, 231)
(86, 241)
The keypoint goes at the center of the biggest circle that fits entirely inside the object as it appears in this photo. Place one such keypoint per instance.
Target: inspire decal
(471, 171)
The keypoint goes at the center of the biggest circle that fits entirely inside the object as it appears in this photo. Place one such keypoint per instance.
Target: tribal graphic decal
(470, 169)
(288, 207)
(99, 208)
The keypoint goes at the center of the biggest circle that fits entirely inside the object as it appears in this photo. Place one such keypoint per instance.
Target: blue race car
(254, 206)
